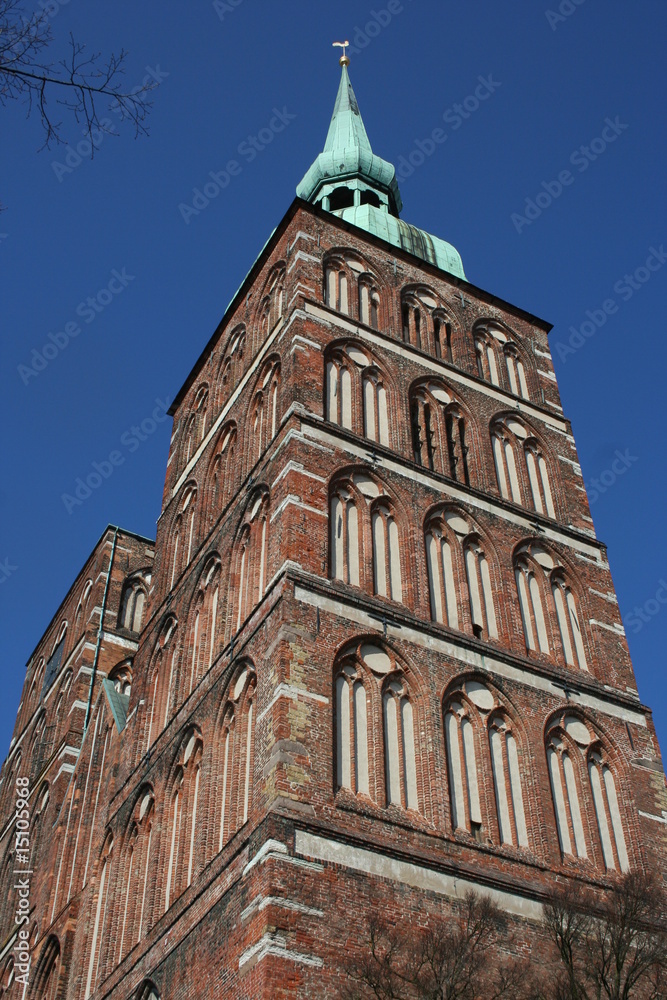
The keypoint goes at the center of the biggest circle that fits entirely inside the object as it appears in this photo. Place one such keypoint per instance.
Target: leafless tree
(612, 946)
(82, 85)
(456, 958)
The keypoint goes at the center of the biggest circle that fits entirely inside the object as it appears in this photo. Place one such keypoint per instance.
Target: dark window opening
(342, 197)
(370, 198)
(406, 324)
(416, 434)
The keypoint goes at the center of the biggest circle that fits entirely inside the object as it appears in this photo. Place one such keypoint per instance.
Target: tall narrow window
(351, 732)
(336, 289)
(173, 847)
(480, 591)
(442, 585)
(462, 770)
(487, 365)
(264, 413)
(98, 937)
(386, 556)
(252, 558)
(532, 610)
(400, 764)
(516, 372)
(442, 338)
(457, 448)
(132, 605)
(568, 623)
(237, 755)
(565, 790)
(344, 541)
(538, 477)
(545, 596)
(376, 417)
(507, 784)
(607, 813)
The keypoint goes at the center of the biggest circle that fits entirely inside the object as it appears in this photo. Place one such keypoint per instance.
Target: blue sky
(556, 71)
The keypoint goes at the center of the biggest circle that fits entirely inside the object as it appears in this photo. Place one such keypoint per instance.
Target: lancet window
(222, 478)
(251, 558)
(521, 468)
(480, 742)
(204, 622)
(133, 602)
(546, 599)
(362, 524)
(425, 323)
(236, 749)
(460, 581)
(374, 708)
(350, 288)
(264, 415)
(182, 853)
(440, 432)
(586, 800)
(356, 394)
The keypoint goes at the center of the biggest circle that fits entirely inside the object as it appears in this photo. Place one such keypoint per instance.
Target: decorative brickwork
(378, 656)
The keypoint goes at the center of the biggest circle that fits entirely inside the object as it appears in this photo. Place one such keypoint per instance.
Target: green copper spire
(349, 180)
(347, 172)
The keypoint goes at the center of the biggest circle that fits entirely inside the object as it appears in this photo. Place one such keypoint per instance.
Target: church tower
(381, 659)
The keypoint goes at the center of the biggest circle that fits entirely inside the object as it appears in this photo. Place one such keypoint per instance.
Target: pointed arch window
(236, 766)
(607, 812)
(386, 554)
(516, 371)
(521, 468)
(132, 604)
(369, 302)
(376, 417)
(223, 471)
(47, 975)
(480, 590)
(480, 743)
(273, 301)
(251, 558)
(205, 622)
(344, 543)
(351, 731)
(376, 728)
(507, 782)
(135, 914)
(339, 397)
(442, 337)
(411, 316)
(183, 861)
(586, 802)
(231, 365)
(399, 742)
(161, 682)
(462, 768)
(336, 287)
(545, 595)
(440, 431)
(441, 556)
(264, 417)
(356, 393)
(100, 907)
(487, 363)
(201, 413)
(457, 564)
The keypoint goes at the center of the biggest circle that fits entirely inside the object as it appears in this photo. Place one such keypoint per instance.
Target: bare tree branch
(457, 958)
(613, 947)
(86, 86)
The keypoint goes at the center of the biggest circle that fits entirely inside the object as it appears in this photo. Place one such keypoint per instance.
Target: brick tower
(380, 659)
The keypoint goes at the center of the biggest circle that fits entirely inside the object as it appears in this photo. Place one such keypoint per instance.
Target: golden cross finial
(344, 59)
